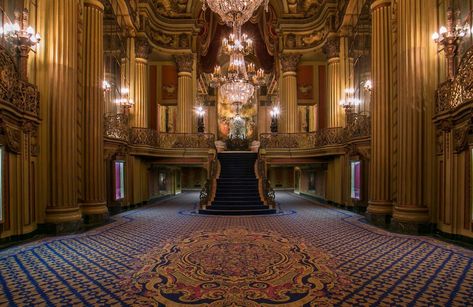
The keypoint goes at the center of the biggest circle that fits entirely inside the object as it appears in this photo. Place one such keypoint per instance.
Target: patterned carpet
(160, 255)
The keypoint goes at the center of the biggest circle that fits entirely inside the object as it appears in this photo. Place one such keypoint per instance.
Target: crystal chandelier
(234, 12)
(239, 83)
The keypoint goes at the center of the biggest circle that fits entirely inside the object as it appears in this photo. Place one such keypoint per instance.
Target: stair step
(237, 212)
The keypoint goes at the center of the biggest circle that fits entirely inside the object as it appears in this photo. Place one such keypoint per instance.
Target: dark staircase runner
(237, 187)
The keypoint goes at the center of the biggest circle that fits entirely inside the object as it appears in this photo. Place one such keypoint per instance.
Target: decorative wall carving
(13, 137)
(460, 138)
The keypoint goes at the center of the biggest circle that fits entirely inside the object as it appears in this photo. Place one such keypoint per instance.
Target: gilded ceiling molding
(308, 34)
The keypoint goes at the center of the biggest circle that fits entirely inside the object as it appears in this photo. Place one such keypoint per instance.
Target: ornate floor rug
(236, 267)
(158, 255)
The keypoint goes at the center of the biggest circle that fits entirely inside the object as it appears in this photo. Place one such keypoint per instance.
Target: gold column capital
(142, 48)
(289, 61)
(380, 3)
(94, 3)
(331, 47)
(184, 62)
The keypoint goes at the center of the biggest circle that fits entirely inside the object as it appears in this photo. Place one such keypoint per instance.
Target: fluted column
(334, 111)
(57, 81)
(346, 72)
(414, 99)
(380, 202)
(140, 111)
(94, 203)
(185, 92)
(290, 116)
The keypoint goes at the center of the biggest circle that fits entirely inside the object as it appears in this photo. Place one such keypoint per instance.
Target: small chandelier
(234, 12)
(350, 99)
(124, 101)
(22, 37)
(449, 38)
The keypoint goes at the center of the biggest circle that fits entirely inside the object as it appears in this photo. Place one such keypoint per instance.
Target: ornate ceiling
(187, 8)
(175, 25)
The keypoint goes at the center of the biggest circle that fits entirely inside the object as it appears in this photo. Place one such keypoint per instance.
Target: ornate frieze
(184, 62)
(289, 61)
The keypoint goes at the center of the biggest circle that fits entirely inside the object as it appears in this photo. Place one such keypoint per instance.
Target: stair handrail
(266, 192)
(207, 194)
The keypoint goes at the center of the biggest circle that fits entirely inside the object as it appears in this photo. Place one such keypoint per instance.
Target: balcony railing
(324, 137)
(359, 126)
(150, 137)
(116, 127)
(453, 93)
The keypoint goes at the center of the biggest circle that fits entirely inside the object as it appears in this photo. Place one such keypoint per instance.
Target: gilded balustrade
(116, 127)
(23, 96)
(458, 91)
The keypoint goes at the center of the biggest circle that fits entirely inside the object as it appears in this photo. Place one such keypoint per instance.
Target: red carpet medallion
(236, 267)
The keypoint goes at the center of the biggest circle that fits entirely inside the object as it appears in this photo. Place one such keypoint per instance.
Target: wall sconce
(124, 101)
(275, 112)
(367, 85)
(200, 119)
(106, 86)
(349, 103)
(449, 37)
(23, 38)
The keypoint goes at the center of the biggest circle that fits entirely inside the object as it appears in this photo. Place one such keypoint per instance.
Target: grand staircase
(237, 188)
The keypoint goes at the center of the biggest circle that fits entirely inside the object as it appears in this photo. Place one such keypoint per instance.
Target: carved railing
(358, 126)
(116, 127)
(150, 137)
(323, 137)
(266, 191)
(207, 193)
(23, 96)
(143, 136)
(458, 91)
(186, 140)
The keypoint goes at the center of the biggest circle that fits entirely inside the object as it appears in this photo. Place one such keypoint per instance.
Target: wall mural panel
(305, 84)
(168, 84)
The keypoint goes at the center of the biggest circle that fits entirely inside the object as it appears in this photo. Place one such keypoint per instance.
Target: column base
(62, 220)
(411, 220)
(95, 213)
(380, 220)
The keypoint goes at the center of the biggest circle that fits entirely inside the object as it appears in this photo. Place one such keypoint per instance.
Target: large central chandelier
(234, 12)
(238, 85)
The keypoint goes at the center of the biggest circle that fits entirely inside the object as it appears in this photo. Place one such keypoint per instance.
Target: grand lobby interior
(236, 152)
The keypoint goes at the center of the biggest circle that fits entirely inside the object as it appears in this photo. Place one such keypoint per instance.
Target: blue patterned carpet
(134, 260)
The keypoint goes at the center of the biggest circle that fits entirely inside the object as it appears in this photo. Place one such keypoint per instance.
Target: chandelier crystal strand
(234, 12)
